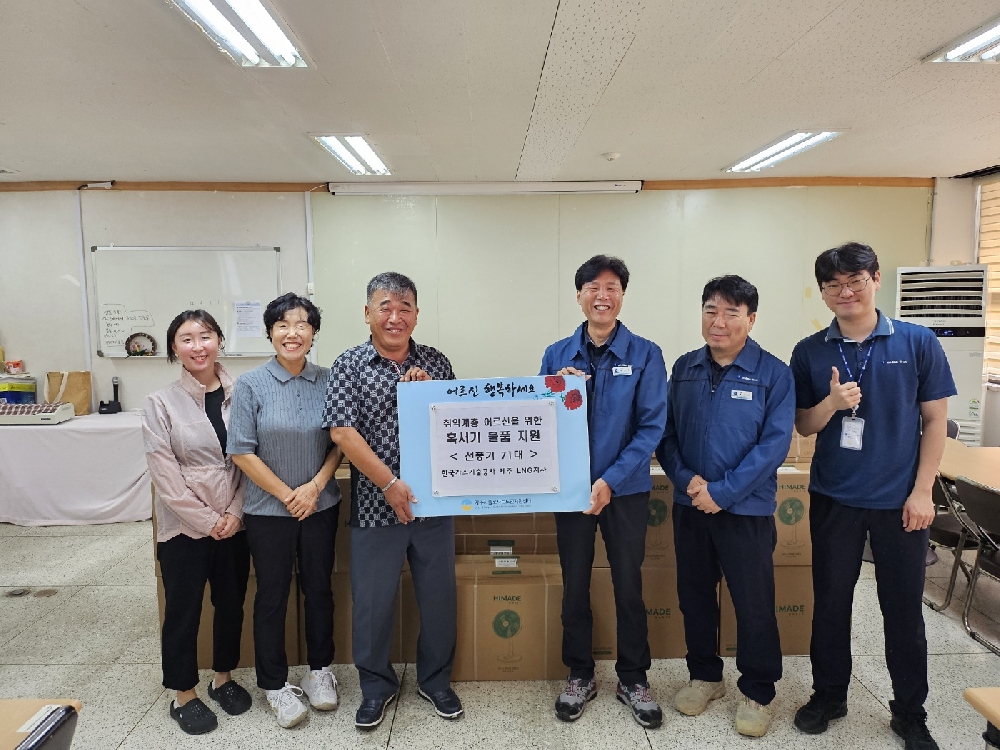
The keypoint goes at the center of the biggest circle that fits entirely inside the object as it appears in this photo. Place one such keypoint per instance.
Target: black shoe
(194, 716)
(815, 716)
(914, 733)
(232, 697)
(372, 711)
(446, 703)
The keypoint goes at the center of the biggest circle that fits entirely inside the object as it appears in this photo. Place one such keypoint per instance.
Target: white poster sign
(249, 324)
(494, 448)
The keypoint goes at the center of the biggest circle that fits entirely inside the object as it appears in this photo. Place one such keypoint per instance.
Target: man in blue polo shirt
(626, 412)
(875, 392)
(730, 411)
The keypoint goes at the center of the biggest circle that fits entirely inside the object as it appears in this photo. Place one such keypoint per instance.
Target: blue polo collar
(309, 372)
(747, 360)
(619, 340)
(884, 327)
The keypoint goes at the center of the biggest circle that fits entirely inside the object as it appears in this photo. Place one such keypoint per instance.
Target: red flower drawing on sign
(555, 383)
(573, 400)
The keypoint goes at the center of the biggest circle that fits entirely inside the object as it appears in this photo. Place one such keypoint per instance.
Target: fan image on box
(506, 625)
(790, 512)
(657, 516)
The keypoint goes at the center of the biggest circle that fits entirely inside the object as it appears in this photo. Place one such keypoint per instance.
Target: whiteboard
(142, 289)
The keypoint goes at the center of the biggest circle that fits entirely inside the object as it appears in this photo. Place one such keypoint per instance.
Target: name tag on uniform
(851, 431)
(743, 395)
(621, 370)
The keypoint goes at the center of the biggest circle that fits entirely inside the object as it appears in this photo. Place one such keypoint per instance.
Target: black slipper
(233, 698)
(194, 716)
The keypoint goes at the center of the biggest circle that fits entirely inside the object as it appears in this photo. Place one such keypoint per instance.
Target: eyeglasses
(855, 285)
(284, 328)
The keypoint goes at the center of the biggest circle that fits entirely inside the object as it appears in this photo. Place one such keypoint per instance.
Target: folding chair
(952, 530)
(982, 505)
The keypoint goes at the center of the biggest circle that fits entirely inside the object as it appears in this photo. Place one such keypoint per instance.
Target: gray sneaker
(645, 710)
(573, 699)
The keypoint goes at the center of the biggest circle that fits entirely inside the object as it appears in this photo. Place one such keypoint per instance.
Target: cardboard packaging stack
(793, 592)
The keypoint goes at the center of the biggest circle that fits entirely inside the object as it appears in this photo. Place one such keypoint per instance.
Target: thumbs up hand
(843, 395)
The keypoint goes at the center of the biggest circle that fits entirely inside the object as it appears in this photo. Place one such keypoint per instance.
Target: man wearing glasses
(875, 392)
(729, 422)
(626, 412)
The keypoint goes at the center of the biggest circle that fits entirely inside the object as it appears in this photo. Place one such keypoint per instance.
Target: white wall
(953, 226)
(495, 274)
(41, 311)
(41, 300)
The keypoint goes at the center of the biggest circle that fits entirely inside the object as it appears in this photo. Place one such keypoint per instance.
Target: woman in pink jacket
(199, 507)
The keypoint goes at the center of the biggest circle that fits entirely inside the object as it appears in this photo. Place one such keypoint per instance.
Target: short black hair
(849, 258)
(277, 308)
(734, 289)
(392, 282)
(199, 316)
(598, 265)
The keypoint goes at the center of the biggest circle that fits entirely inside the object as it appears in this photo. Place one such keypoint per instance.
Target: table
(981, 465)
(986, 700)
(90, 469)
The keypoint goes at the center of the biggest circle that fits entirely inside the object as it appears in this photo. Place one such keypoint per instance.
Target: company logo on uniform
(895, 362)
(742, 395)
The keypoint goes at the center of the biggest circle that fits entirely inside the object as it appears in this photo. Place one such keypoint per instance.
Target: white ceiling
(483, 90)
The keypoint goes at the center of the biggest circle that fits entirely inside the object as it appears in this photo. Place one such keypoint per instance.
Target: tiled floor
(96, 639)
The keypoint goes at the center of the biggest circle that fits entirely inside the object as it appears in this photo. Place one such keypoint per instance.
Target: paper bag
(69, 387)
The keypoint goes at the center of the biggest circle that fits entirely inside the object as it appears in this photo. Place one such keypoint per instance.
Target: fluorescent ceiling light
(482, 188)
(260, 22)
(360, 145)
(783, 149)
(245, 30)
(979, 45)
(338, 146)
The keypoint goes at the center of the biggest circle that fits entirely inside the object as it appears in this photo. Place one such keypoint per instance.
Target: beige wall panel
(894, 221)
(498, 271)
(355, 238)
(41, 301)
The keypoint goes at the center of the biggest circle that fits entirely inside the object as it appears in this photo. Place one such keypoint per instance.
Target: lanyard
(861, 372)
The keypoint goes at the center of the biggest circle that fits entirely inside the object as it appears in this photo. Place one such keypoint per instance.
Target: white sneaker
(286, 705)
(320, 686)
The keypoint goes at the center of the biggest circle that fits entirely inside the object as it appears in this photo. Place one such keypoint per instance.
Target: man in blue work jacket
(875, 393)
(729, 423)
(626, 412)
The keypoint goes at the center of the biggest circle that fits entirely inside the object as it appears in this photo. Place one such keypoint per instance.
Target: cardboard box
(791, 517)
(801, 449)
(508, 622)
(663, 614)
(793, 606)
(660, 525)
(341, 584)
(512, 544)
(205, 632)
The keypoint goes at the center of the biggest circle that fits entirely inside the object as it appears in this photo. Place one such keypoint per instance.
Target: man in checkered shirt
(363, 419)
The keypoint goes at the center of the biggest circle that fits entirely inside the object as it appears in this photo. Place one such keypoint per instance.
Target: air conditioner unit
(951, 301)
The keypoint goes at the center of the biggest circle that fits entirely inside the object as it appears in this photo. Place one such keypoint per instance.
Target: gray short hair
(392, 282)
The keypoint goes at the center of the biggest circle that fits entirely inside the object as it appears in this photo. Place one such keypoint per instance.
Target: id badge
(850, 433)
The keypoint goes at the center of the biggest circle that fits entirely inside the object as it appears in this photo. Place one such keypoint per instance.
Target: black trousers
(377, 556)
(741, 548)
(838, 537)
(276, 542)
(186, 564)
(623, 526)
